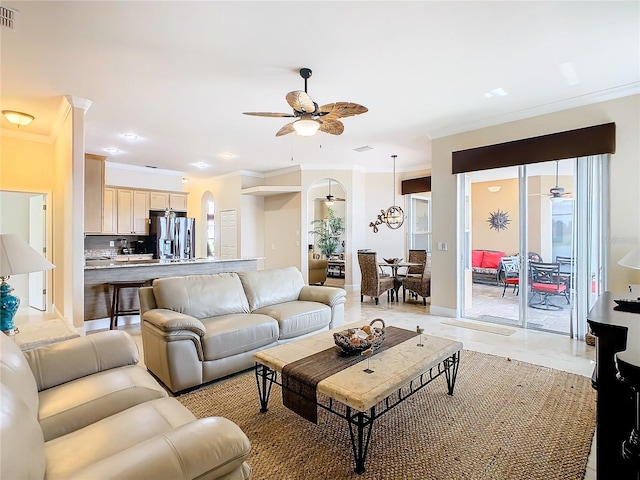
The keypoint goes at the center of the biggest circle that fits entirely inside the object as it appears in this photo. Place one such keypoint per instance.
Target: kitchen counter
(118, 262)
(98, 294)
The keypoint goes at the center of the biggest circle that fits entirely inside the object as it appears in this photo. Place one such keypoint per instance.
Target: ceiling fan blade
(301, 102)
(332, 126)
(288, 128)
(269, 114)
(341, 110)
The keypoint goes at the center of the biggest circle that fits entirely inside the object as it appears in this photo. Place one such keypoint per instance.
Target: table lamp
(16, 257)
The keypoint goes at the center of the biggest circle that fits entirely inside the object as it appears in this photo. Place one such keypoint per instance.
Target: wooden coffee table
(360, 397)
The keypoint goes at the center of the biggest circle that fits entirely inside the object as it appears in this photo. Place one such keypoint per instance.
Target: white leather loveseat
(83, 409)
(199, 328)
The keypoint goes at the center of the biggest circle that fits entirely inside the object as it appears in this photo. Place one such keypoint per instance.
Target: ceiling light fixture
(130, 136)
(18, 118)
(393, 217)
(306, 127)
(200, 165)
(112, 150)
(494, 188)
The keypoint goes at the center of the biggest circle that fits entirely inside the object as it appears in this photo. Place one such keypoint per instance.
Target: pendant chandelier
(393, 217)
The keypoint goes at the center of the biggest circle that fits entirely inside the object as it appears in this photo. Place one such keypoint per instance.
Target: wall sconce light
(494, 188)
(18, 118)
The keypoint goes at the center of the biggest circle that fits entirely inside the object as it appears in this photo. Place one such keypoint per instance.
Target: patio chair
(567, 269)
(372, 284)
(546, 282)
(510, 273)
(418, 285)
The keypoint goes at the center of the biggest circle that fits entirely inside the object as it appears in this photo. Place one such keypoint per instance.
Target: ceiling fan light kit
(310, 117)
(306, 128)
(20, 119)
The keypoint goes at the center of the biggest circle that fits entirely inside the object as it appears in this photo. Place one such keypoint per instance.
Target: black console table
(618, 333)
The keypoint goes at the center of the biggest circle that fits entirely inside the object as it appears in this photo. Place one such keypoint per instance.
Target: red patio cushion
(549, 287)
(476, 257)
(491, 259)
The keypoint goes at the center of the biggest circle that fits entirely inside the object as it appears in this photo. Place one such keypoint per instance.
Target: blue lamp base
(8, 306)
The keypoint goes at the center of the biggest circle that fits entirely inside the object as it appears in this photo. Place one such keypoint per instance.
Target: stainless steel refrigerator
(173, 238)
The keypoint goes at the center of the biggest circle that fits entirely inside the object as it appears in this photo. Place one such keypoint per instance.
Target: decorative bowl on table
(356, 340)
(391, 261)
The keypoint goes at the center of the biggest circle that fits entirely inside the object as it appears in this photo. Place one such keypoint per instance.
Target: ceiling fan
(329, 199)
(557, 193)
(309, 117)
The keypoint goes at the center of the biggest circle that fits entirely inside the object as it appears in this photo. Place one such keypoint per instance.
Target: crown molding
(575, 102)
(79, 102)
(30, 137)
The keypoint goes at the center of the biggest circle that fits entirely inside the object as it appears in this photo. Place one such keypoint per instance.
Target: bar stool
(115, 300)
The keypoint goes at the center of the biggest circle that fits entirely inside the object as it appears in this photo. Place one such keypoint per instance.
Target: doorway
(525, 221)
(24, 214)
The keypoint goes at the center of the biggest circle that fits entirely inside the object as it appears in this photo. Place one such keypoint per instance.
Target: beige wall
(624, 179)
(485, 202)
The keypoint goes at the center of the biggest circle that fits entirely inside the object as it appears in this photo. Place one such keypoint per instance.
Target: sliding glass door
(536, 244)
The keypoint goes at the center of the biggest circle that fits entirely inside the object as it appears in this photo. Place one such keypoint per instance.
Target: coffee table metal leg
(451, 365)
(363, 425)
(265, 378)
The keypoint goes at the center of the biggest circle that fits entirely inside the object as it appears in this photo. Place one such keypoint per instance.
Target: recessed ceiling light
(112, 150)
(227, 155)
(200, 165)
(496, 92)
(130, 136)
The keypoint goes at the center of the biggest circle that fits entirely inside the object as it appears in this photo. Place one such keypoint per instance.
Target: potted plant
(328, 232)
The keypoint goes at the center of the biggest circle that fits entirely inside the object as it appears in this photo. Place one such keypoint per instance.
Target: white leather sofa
(199, 328)
(83, 409)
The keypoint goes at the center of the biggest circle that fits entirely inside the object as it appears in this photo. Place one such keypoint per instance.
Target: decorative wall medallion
(498, 220)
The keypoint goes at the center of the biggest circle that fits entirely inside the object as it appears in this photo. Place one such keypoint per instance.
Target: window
(419, 216)
(211, 230)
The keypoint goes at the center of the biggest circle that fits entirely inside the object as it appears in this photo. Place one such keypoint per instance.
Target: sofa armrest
(331, 296)
(69, 360)
(210, 447)
(170, 321)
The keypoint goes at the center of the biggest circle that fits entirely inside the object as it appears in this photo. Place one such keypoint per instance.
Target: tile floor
(541, 348)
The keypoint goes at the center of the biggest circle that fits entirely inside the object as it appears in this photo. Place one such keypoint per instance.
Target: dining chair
(372, 283)
(419, 284)
(546, 282)
(416, 256)
(510, 273)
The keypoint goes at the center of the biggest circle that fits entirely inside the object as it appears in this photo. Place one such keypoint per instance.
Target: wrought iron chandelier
(393, 217)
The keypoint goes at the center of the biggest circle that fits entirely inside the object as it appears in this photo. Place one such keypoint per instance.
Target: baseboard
(442, 311)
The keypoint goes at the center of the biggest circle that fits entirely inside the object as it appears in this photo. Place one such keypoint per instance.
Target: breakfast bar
(99, 274)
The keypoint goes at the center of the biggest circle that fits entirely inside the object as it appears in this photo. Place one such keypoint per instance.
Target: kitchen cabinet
(164, 200)
(93, 195)
(109, 209)
(132, 212)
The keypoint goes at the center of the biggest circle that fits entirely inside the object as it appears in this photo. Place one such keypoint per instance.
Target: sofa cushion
(228, 335)
(17, 375)
(22, 450)
(269, 287)
(201, 296)
(71, 453)
(298, 318)
(476, 257)
(491, 259)
(74, 405)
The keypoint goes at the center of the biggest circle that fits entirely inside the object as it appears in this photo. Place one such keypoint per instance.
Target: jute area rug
(506, 420)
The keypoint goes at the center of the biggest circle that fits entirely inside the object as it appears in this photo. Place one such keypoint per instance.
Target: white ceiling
(179, 74)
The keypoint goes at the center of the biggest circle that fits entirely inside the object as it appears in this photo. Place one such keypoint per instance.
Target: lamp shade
(17, 256)
(306, 128)
(631, 259)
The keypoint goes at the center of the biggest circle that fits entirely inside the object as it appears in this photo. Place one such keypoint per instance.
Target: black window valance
(416, 185)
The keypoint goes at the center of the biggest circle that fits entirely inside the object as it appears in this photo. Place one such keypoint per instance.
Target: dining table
(397, 277)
